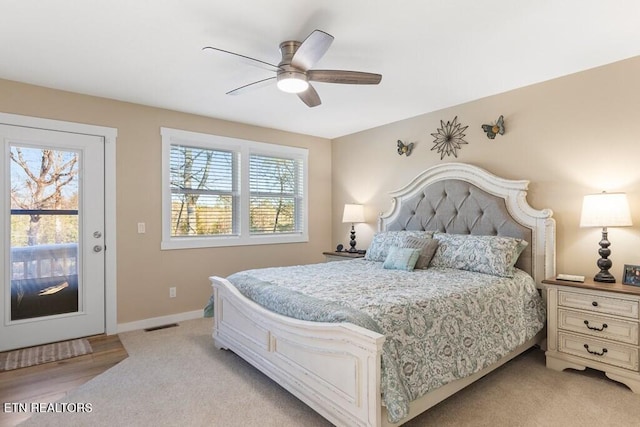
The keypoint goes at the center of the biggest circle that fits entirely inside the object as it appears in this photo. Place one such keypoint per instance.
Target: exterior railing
(33, 262)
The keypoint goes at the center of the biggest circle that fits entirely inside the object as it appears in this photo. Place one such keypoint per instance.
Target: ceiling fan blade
(247, 59)
(311, 50)
(251, 86)
(344, 77)
(310, 97)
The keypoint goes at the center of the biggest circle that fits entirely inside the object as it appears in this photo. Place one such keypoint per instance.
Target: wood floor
(52, 381)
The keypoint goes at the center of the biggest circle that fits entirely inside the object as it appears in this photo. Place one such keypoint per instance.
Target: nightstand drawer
(599, 350)
(598, 326)
(599, 304)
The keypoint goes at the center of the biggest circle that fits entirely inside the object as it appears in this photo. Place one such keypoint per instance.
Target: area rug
(44, 354)
(176, 377)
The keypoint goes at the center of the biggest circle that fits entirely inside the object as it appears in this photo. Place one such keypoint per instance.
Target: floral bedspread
(440, 324)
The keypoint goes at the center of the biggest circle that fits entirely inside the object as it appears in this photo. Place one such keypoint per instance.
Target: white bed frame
(335, 367)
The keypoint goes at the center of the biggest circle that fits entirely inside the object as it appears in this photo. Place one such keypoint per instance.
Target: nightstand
(594, 325)
(341, 256)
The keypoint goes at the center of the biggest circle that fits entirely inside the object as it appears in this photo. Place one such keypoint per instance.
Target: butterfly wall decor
(404, 148)
(493, 130)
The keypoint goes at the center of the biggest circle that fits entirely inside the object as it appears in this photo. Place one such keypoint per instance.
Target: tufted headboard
(460, 198)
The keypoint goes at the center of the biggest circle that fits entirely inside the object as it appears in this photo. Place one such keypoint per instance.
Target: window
(220, 191)
(203, 185)
(275, 194)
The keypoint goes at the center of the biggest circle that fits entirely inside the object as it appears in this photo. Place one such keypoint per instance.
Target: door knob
(97, 248)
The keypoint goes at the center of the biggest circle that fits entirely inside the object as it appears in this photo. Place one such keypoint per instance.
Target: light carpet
(176, 377)
(47, 353)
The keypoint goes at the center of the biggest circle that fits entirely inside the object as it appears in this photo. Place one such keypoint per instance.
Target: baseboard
(159, 321)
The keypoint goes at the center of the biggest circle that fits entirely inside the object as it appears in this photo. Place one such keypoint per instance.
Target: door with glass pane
(52, 189)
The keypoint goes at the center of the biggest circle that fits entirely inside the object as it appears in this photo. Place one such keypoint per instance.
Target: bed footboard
(332, 367)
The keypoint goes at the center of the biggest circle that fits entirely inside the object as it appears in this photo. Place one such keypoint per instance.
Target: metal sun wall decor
(449, 138)
(405, 148)
(493, 130)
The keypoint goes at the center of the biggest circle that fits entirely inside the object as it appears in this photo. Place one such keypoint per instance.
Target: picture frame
(631, 275)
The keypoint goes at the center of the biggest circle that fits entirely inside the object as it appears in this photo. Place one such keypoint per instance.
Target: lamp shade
(605, 210)
(353, 213)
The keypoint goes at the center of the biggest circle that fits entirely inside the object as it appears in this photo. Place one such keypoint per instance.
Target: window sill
(226, 241)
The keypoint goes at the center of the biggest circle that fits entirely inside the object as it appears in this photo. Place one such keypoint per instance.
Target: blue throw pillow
(401, 258)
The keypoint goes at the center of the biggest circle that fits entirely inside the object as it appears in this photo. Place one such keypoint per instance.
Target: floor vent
(155, 328)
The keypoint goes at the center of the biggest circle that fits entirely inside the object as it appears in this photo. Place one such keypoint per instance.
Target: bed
(341, 360)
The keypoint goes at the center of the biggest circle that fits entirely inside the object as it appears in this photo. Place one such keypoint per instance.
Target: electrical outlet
(172, 292)
(141, 228)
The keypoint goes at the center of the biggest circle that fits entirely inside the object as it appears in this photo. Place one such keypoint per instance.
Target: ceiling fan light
(292, 83)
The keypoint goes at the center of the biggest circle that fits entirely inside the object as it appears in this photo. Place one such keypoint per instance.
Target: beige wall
(569, 136)
(145, 273)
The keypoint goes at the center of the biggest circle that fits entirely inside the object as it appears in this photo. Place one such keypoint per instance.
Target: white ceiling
(432, 54)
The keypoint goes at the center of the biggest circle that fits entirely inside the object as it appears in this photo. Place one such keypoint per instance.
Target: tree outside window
(43, 182)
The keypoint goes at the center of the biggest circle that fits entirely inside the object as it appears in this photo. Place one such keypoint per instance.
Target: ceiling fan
(294, 73)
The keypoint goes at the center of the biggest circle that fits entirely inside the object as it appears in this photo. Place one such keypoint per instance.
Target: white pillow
(382, 241)
(494, 255)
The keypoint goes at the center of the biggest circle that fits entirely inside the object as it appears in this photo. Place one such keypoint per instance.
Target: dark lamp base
(604, 263)
(352, 242)
(604, 277)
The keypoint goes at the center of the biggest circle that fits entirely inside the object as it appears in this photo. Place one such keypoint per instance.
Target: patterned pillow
(494, 255)
(427, 249)
(382, 241)
(401, 258)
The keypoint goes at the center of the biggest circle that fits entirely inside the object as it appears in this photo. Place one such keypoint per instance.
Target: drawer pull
(594, 303)
(595, 328)
(604, 350)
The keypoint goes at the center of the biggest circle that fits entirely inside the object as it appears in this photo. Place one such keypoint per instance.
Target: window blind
(219, 191)
(203, 191)
(275, 187)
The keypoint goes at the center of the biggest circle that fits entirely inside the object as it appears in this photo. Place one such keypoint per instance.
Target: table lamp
(605, 210)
